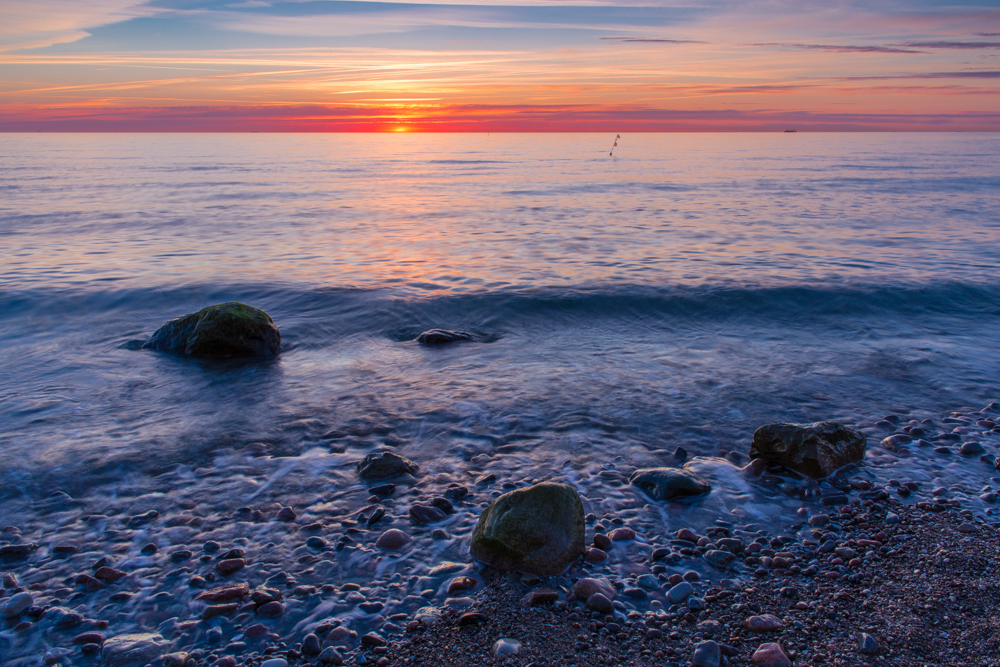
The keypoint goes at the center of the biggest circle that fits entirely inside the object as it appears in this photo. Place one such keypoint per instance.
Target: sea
(678, 293)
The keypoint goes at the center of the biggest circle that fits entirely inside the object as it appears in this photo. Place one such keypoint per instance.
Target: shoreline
(175, 571)
(926, 595)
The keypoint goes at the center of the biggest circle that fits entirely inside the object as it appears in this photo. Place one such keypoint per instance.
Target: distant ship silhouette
(791, 130)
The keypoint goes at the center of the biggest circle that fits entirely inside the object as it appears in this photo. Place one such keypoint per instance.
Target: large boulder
(668, 483)
(227, 330)
(538, 529)
(814, 450)
(385, 465)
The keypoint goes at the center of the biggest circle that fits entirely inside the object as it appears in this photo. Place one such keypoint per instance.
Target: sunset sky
(547, 65)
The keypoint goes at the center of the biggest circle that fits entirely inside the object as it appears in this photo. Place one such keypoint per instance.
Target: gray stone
(599, 602)
(311, 645)
(330, 656)
(719, 558)
(16, 603)
(422, 514)
(815, 450)
(867, 644)
(668, 483)
(226, 330)
(133, 650)
(385, 465)
(706, 654)
(680, 592)
(538, 529)
(586, 587)
(971, 448)
(392, 539)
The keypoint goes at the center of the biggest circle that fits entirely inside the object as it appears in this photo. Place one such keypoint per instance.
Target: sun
(401, 128)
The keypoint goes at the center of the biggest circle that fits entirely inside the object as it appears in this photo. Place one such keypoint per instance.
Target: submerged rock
(444, 336)
(538, 529)
(138, 649)
(385, 465)
(226, 330)
(814, 450)
(668, 483)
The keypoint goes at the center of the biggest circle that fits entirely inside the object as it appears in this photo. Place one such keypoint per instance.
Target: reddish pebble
(602, 541)
(225, 593)
(89, 638)
(270, 609)
(595, 555)
(230, 565)
(89, 583)
(109, 574)
(619, 534)
(771, 655)
(255, 631)
(764, 623)
(687, 535)
(461, 584)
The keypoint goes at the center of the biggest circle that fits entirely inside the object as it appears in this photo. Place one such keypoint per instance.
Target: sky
(492, 66)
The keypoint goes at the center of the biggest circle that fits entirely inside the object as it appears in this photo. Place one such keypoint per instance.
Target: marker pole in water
(617, 137)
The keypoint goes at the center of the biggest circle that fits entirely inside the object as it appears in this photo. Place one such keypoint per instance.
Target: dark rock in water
(17, 550)
(599, 602)
(815, 450)
(667, 483)
(443, 336)
(385, 465)
(537, 529)
(227, 330)
(719, 558)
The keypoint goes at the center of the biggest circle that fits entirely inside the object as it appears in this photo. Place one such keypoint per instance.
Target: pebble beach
(866, 572)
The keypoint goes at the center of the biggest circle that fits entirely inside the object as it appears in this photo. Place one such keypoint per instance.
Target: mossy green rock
(227, 330)
(538, 529)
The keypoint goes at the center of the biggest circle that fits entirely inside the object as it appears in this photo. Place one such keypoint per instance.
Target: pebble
(16, 604)
(867, 644)
(275, 662)
(127, 650)
(109, 574)
(539, 596)
(706, 654)
(619, 534)
(392, 539)
(422, 514)
(599, 602)
(771, 655)
(461, 584)
(230, 565)
(271, 609)
(595, 555)
(372, 639)
(967, 528)
(330, 656)
(764, 623)
(602, 541)
(311, 645)
(9, 580)
(719, 558)
(506, 646)
(587, 587)
(972, 448)
(679, 593)
(687, 535)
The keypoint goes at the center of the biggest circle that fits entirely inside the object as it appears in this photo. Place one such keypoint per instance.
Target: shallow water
(682, 293)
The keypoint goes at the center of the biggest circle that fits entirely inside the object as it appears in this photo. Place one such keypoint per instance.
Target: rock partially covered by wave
(226, 330)
(444, 336)
(669, 483)
(538, 529)
(385, 465)
(814, 450)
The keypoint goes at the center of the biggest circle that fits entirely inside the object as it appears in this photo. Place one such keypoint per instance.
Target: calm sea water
(681, 293)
